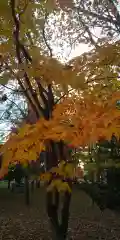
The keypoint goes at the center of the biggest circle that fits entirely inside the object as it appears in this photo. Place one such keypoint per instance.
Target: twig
(13, 90)
(19, 48)
(24, 9)
(44, 37)
(22, 112)
(42, 91)
(93, 14)
(65, 94)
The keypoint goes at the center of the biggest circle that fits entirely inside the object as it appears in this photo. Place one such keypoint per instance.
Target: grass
(3, 184)
(19, 222)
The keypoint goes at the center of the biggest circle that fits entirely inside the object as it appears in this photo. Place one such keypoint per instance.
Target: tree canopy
(78, 121)
(85, 86)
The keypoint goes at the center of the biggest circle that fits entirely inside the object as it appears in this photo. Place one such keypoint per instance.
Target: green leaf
(4, 79)
(117, 165)
(50, 6)
(40, 22)
(90, 167)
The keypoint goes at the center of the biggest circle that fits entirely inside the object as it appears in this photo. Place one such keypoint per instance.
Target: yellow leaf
(59, 185)
(51, 186)
(32, 155)
(53, 169)
(25, 164)
(57, 170)
(63, 187)
(45, 177)
(5, 47)
(69, 170)
(50, 5)
(61, 164)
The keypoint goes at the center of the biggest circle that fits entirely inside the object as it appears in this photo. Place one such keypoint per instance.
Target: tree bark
(32, 186)
(65, 216)
(59, 227)
(27, 192)
(9, 184)
(37, 183)
(52, 160)
(52, 205)
(58, 219)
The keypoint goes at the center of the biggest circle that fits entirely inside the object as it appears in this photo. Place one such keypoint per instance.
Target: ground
(19, 222)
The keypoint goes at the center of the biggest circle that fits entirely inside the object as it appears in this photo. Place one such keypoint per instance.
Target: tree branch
(22, 112)
(44, 37)
(100, 17)
(13, 90)
(42, 91)
(50, 95)
(25, 53)
(88, 31)
(63, 96)
(19, 48)
(24, 89)
(24, 8)
(117, 24)
(34, 96)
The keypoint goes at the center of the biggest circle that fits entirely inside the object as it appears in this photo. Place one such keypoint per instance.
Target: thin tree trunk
(37, 184)
(58, 219)
(27, 192)
(9, 184)
(32, 186)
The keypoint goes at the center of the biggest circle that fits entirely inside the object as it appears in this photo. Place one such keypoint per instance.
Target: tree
(102, 158)
(39, 77)
(66, 127)
(10, 175)
(111, 162)
(93, 23)
(105, 159)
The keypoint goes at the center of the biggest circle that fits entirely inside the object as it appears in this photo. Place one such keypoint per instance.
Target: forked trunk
(58, 218)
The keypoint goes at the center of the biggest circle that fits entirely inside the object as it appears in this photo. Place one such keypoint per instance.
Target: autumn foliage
(72, 103)
(79, 121)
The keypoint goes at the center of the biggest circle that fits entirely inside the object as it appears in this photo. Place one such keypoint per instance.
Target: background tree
(104, 189)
